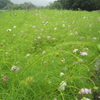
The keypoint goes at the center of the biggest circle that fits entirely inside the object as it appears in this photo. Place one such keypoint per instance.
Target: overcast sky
(35, 2)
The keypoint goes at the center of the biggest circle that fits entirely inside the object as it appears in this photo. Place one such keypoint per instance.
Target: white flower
(6, 53)
(33, 26)
(55, 28)
(8, 30)
(38, 37)
(61, 74)
(14, 26)
(43, 52)
(63, 25)
(62, 86)
(14, 34)
(83, 53)
(27, 55)
(48, 37)
(13, 68)
(75, 50)
(85, 91)
(84, 98)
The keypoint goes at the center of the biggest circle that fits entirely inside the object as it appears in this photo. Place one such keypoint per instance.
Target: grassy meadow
(49, 55)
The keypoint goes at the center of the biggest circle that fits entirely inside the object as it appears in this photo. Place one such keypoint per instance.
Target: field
(49, 55)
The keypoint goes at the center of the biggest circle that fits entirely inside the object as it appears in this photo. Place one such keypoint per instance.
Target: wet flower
(76, 33)
(15, 68)
(43, 52)
(84, 98)
(29, 79)
(98, 97)
(75, 50)
(55, 28)
(5, 79)
(62, 21)
(48, 37)
(94, 38)
(6, 53)
(14, 34)
(33, 26)
(85, 91)
(14, 26)
(63, 60)
(38, 37)
(34, 39)
(62, 86)
(83, 53)
(27, 55)
(55, 99)
(42, 29)
(61, 74)
(8, 30)
(63, 25)
(75, 62)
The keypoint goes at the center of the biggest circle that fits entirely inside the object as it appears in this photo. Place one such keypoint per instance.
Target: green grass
(41, 44)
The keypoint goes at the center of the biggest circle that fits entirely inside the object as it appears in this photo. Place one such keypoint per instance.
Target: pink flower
(85, 91)
(94, 38)
(34, 39)
(83, 53)
(75, 50)
(48, 37)
(5, 79)
(38, 37)
(98, 97)
(33, 26)
(62, 21)
(15, 68)
(55, 28)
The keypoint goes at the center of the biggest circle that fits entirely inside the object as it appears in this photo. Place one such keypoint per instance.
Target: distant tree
(82, 4)
(26, 5)
(4, 3)
(55, 5)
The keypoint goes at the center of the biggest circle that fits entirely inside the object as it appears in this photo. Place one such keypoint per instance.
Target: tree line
(8, 5)
(88, 5)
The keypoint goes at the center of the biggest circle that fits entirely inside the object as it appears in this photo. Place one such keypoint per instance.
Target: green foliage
(4, 3)
(40, 49)
(26, 5)
(88, 5)
(55, 5)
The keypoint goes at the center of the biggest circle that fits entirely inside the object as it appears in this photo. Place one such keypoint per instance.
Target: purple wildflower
(13, 68)
(98, 97)
(83, 53)
(75, 50)
(85, 91)
(5, 79)
(38, 37)
(94, 38)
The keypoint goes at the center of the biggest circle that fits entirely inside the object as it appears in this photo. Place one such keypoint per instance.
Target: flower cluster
(62, 86)
(15, 68)
(85, 91)
(83, 53)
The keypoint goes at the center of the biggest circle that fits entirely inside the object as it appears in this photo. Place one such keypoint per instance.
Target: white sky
(35, 2)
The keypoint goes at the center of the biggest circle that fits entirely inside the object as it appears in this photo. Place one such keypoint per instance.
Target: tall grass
(49, 55)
